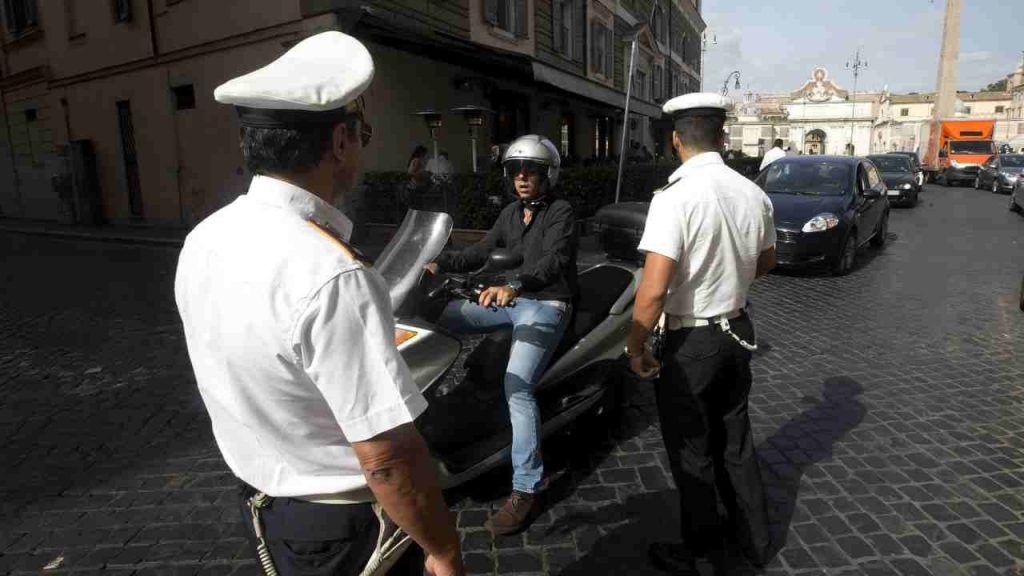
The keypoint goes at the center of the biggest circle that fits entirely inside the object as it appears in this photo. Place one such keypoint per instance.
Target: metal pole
(473, 140)
(625, 115)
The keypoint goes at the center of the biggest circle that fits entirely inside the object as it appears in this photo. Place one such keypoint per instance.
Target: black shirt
(548, 245)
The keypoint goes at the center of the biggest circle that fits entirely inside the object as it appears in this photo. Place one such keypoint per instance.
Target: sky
(776, 45)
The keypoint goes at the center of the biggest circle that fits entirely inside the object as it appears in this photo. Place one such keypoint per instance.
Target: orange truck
(956, 149)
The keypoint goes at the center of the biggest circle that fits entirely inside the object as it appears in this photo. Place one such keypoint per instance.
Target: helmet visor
(526, 167)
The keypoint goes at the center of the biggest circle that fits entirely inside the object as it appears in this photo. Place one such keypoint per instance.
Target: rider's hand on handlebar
(500, 296)
(433, 268)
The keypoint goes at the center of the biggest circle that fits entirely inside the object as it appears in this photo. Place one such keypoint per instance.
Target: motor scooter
(466, 424)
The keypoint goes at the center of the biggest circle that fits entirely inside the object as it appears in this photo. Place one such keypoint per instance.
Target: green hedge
(474, 200)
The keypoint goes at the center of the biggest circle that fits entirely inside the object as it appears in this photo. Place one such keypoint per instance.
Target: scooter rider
(536, 303)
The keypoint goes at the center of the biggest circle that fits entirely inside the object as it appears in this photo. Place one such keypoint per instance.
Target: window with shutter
(521, 18)
(558, 40)
(595, 44)
(20, 15)
(122, 10)
(491, 12)
(579, 30)
(609, 56)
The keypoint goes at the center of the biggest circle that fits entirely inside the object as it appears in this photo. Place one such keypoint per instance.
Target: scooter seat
(603, 285)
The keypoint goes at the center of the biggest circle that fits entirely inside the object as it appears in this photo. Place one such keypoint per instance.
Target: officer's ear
(340, 138)
(677, 144)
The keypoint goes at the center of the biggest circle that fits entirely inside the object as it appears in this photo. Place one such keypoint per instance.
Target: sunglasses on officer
(514, 168)
(355, 110)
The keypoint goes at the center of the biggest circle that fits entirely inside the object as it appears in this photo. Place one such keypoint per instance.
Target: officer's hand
(444, 565)
(433, 268)
(499, 296)
(644, 366)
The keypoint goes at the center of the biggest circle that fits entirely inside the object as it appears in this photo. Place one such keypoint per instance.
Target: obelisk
(949, 57)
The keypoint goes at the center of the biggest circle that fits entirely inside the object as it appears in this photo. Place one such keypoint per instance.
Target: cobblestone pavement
(887, 409)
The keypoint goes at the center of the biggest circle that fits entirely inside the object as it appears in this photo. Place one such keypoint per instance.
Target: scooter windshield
(418, 241)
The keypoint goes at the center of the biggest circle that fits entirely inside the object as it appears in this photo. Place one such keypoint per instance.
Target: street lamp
(433, 120)
(632, 35)
(474, 116)
(725, 85)
(704, 48)
(856, 66)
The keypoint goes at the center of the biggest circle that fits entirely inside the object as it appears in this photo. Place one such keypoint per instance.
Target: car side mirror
(943, 154)
(871, 193)
(503, 259)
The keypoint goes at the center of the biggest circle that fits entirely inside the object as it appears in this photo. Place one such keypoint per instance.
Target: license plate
(894, 192)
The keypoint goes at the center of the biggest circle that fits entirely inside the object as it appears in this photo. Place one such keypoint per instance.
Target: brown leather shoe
(516, 515)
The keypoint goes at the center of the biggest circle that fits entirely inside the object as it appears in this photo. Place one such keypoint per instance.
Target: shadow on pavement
(642, 519)
(804, 441)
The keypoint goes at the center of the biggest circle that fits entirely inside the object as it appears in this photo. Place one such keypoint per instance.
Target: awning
(583, 87)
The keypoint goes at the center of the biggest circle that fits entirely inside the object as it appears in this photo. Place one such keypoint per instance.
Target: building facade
(108, 115)
(823, 118)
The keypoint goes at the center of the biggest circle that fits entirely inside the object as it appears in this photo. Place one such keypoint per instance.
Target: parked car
(1000, 173)
(826, 208)
(900, 182)
(915, 162)
(1017, 197)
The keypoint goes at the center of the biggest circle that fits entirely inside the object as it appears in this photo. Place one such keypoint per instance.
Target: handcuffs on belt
(392, 542)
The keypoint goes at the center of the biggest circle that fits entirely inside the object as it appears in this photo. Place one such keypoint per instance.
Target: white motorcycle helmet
(533, 148)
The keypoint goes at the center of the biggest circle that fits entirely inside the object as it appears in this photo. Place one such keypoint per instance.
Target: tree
(999, 86)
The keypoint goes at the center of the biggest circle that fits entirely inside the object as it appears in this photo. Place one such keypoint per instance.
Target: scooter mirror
(502, 259)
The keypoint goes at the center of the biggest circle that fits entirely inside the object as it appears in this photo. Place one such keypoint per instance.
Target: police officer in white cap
(709, 235)
(291, 336)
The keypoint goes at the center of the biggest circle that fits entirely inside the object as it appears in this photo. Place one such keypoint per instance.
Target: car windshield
(972, 147)
(1016, 161)
(891, 164)
(810, 178)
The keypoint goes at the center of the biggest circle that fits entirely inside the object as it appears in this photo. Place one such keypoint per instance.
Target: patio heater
(433, 120)
(474, 116)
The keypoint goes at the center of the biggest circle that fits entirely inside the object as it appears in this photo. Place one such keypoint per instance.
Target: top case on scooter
(620, 227)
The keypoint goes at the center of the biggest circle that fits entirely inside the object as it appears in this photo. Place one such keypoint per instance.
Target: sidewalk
(122, 234)
(372, 241)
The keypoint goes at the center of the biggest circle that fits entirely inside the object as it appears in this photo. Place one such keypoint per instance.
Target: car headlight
(906, 186)
(1011, 176)
(821, 222)
(954, 163)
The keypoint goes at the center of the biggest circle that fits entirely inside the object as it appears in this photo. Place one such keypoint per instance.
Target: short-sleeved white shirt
(292, 342)
(714, 223)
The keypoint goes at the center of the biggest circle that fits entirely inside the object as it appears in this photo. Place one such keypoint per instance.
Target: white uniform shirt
(292, 342)
(771, 156)
(714, 223)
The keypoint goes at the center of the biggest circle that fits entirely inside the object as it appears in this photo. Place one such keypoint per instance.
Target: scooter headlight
(821, 222)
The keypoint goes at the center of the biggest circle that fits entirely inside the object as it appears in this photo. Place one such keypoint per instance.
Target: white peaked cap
(321, 74)
(698, 104)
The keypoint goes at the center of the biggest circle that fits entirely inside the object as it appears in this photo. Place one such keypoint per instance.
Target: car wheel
(882, 235)
(995, 186)
(847, 255)
(1013, 205)
(977, 182)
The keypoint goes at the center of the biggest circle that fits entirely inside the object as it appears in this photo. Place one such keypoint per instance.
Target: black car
(826, 207)
(1000, 173)
(898, 174)
(915, 163)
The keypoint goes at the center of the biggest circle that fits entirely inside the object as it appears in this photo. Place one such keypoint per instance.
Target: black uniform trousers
(702, 405)
(309, 539)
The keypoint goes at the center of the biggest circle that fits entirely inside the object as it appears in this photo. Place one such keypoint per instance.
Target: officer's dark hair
(270, 151)
(701, 132)
(777, 143)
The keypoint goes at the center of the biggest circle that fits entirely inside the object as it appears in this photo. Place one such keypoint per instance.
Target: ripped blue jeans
(537, 327)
